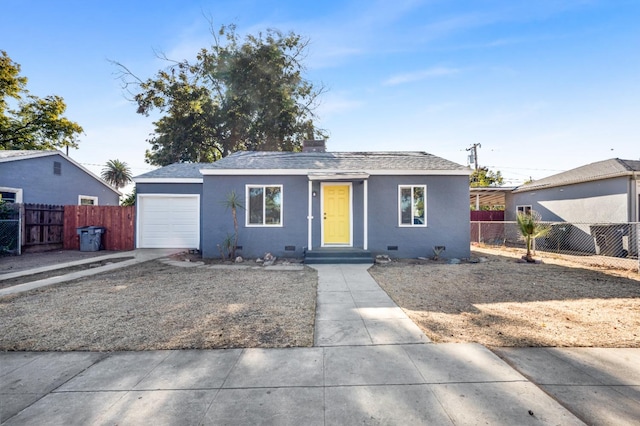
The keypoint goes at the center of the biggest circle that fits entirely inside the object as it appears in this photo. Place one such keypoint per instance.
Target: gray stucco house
(606, 191)
(50, 177)
(599, 200)
(397, 203)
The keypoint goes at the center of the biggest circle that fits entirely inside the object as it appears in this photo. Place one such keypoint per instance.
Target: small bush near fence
(604, 244)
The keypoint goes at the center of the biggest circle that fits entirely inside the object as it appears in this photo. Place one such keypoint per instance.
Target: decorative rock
(422, 258)
(239, 259)
(523, 259)
(259, 260)
(269, 259)
(454, 261)
(382, 259)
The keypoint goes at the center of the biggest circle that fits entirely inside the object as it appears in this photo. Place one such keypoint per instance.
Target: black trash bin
(558, 237)
(90, 237)
(609, 239)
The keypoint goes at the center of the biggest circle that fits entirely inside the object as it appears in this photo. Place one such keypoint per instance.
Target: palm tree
(531, 228)
(116, 173)
(233, 202)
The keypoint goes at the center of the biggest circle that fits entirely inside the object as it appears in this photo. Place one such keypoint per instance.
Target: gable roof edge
(47, 153)
(534, 187)
(35, 154)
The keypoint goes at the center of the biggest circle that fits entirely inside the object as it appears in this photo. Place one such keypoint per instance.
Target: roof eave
(573, 182)
(167, 180)
(36, 154)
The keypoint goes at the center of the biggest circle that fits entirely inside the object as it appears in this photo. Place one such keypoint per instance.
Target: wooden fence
(487, 233)
(42, 227)
(487, 215)
(118, 222)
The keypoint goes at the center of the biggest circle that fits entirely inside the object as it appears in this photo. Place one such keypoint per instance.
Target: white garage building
(168, 207)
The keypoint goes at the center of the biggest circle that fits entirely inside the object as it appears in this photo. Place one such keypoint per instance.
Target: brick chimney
(318, 145)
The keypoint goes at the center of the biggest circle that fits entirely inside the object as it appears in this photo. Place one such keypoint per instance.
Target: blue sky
(543, 85)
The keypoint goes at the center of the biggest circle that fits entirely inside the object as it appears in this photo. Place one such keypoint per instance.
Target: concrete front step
(337, 255)
(340, 260)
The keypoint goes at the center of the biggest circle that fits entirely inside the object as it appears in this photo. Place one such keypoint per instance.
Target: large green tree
(30, 122)
(483, 177)
(238, 94)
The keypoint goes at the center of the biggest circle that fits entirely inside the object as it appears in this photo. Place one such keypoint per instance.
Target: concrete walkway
(353, 310)
(369, 366)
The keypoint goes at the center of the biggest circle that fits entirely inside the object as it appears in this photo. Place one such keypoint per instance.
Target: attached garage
(168, 221)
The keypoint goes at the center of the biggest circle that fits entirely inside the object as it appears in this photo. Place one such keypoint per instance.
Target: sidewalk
(368, 366)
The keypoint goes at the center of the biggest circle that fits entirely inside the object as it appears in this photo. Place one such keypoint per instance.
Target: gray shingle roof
(352, 161)
(176, 170)
(13, 155)
(346, 161)
(605, 169)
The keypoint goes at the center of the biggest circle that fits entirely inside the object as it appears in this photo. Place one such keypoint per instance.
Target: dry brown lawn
(504, 303)
(158, 306)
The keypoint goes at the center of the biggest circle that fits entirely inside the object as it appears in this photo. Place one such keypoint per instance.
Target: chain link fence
(613, 245)
(9, 237)
(10, 228)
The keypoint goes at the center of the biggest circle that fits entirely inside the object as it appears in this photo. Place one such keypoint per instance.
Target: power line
(102, 165)
(525, 168)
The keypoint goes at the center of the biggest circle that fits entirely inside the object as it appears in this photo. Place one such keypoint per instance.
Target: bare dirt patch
(157, 306)
(503, 303)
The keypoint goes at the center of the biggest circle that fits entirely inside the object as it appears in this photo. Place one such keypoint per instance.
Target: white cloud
(509, 115)
(420, 75)
(336, 103)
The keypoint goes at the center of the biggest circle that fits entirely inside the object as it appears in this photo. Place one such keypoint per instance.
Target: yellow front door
(336, 215)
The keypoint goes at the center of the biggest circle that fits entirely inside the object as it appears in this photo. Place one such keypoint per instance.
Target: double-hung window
(264, 205)
(523, 210)
(412, 205)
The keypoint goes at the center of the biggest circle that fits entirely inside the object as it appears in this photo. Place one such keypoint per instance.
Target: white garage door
(168, 221)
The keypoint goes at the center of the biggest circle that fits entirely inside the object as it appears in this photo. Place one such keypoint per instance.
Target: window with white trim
(87, 200)
(412, 203)
(264, 205)
(10, 195)
(523, 209)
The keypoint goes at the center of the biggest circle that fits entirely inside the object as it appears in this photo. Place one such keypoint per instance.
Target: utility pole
(473, 157)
